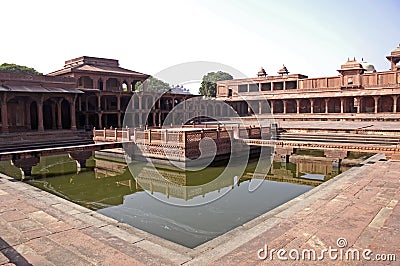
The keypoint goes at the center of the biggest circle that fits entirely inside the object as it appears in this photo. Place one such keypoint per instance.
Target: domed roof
(368, 68)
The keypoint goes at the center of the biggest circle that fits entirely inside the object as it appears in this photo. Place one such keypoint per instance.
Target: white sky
(310, 37)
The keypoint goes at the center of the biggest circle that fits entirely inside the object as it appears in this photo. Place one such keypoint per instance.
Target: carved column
(100, 120)
(59, 117)
(395, 97)
(298, 106)
(272, 107)
(284, 106)
(326, 106)
(98, 102)
(40, 114)
(312, 106)
(376, 99)
(341, 105)
(73, 114)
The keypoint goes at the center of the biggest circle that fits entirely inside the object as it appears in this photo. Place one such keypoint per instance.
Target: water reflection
(110, 188)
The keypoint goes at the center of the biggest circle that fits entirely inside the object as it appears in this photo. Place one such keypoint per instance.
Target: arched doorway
(278, 106)
(47, 114)
(385, 104)
(367, 105)
(34, 115)
(305, 106)
(65, 114)
(334, 105)
(319, 105)
(291, 106)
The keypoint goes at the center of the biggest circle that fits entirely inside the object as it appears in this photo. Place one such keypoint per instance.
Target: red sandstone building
(87, 92)
(357, 93)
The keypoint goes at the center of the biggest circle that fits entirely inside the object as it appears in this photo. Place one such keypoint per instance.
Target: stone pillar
(376, 99)
(358, 99)
(119, 102)
(312, 106)
(119, 120)
(284, 106)
(4, 114)
(326, 106)
(272, 107)
(395, 97)
(341, 105)
(159, 119)
(298, 106)
(104, 84)
(129, 85)
(154, 119)
(73, 114)
(260, 107)
(98, 102)
(99, 115)
(40, 114)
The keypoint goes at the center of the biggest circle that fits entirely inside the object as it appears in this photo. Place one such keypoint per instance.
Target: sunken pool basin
(109, 188)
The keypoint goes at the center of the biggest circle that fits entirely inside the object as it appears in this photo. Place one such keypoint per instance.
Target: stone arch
(65, 114)
(112, 84)
(319, 105)
(385, 104)
(334, 105)
(291, 106)
(305, 106)
(85, 82)
(15, 114)
(367, 104)
(278, 106)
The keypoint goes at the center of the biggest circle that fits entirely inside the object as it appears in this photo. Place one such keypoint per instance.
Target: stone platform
(360, 205)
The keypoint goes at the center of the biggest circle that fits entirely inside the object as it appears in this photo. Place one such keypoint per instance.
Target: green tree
(13, 68)
(209, 83)
(152, 84)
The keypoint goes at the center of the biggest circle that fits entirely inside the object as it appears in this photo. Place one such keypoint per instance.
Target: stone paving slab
(360, 205)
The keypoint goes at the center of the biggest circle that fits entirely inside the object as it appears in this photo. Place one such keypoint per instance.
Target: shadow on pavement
(12, 255)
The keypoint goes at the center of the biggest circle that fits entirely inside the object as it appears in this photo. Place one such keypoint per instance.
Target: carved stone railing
(112, 135)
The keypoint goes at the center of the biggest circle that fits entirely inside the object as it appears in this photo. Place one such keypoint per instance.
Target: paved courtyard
(360, 206)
